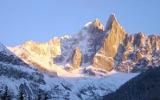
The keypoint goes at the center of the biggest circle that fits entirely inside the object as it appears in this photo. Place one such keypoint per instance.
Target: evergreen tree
(39, 95)
(45, 96)
(42, 95)
(21, 95)
(6, 95)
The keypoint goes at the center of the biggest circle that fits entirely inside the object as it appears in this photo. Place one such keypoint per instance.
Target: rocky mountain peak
(110, 45)
(100, 47)
(94, 26)
(112, 21)
(98, 24)
(140, 39)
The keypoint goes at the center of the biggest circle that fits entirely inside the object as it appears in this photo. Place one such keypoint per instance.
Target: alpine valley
(87, 65)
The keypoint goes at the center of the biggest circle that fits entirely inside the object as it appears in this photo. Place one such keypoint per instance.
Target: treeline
(6, 94)
(145, 86)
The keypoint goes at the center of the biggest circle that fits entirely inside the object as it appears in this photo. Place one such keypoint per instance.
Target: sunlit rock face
(76, 58)
(48, 49)
(111, 43)
(39, 55)
(97, 24)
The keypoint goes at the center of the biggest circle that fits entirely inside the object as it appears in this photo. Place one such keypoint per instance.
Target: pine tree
(21, 95)
(39, 95)
(42, 95)
(45, 96)
(6, 95)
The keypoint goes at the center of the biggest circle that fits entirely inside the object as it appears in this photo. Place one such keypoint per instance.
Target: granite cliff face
(115, 36)
(76, 58)
(139, 50)
(105, 47)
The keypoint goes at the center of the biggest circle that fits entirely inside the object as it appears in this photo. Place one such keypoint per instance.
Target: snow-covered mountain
(83, 66)
(20, 80)
(105, 47)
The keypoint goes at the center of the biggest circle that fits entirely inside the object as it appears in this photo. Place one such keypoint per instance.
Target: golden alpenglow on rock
(114, 37)
(76, 58)
(39, 54)
(98, 24)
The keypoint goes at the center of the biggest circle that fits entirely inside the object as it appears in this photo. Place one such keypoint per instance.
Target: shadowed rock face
(139, 39)
(88, 40)
(115, 36)
(137, 48)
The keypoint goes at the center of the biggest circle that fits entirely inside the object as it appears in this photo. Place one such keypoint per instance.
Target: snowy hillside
(32, 83)
(20, 80)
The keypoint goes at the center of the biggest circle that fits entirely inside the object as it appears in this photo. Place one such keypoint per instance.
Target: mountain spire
(111, 43)
(112, 19)
(97, 23)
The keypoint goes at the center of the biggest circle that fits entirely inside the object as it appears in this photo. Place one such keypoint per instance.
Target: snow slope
(62, 88)
(19, 78)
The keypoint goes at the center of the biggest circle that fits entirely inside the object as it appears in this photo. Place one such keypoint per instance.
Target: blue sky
(40, 20)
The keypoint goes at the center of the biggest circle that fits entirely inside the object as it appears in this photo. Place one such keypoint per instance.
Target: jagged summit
(98, 47)
(95, 24)
(93, 51)
(111, 21)
(110, 45)
(112, 17)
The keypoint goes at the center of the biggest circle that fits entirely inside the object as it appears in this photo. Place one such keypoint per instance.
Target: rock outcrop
(138, 48)
(111, 43)
(76, 58)
(89, 40)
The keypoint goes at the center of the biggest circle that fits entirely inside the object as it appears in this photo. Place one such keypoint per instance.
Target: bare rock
(115, 37)
(76, 58)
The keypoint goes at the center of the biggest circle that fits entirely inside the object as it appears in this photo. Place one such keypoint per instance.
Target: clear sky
(40, 20)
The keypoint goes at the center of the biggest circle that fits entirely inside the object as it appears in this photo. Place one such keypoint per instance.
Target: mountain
(115, 36)
(84, 66)
(107, 48)
(142, 87)
(19, 80)
(39, 54)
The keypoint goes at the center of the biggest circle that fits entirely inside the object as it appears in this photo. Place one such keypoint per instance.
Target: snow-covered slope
(20, 80)
(40, 55)
(88, 40)
(34, 84)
